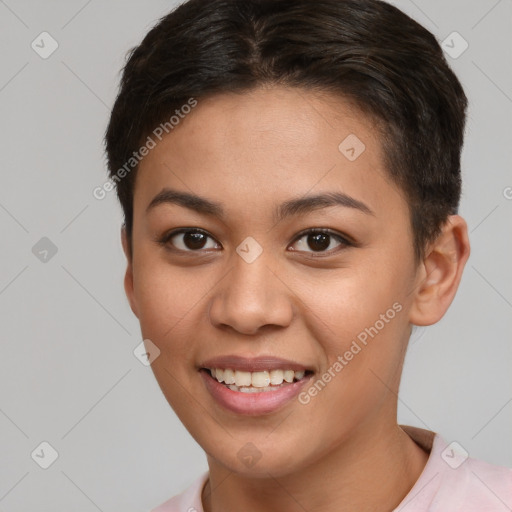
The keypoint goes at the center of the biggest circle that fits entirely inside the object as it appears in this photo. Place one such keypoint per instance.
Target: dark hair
(367, 51)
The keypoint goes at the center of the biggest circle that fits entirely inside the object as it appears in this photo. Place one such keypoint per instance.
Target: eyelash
(344, 241)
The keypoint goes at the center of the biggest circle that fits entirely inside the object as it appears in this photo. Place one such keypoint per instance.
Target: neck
(372, 472)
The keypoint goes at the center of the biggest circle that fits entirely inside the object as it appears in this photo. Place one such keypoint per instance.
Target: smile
(254, 393)
(255, 382)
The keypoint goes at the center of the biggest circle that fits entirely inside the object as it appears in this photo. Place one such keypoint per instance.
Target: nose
(250, 297)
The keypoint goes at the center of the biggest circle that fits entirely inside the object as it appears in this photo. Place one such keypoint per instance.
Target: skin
(250, 152)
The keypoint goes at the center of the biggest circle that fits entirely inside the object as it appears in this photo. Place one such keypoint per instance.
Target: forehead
(268, 145)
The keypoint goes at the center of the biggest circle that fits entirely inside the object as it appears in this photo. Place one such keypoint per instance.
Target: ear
(128, 277)
(440, 273)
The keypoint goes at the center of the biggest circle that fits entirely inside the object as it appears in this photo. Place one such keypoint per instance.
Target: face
(235, 274)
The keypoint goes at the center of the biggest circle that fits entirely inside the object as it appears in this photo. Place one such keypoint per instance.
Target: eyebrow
(298, 206)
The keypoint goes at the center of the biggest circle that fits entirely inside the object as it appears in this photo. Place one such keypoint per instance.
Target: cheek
(168, 298)
(364, 351)
(359, 319)
(342, 303)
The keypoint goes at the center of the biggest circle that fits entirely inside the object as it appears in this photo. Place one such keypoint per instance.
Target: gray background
(68, 374)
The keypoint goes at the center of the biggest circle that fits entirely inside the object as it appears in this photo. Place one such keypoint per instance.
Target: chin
(271, 457)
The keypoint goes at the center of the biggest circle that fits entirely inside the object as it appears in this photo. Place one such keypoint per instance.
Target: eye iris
(194, 240)
(320, 241)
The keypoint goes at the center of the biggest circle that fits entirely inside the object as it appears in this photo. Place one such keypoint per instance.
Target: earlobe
(128, 277)
(440, 273)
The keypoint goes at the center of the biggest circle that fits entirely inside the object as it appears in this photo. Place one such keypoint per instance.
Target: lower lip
(251, 403)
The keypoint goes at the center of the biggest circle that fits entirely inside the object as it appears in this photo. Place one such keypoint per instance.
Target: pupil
(320, 241)
(194, 240)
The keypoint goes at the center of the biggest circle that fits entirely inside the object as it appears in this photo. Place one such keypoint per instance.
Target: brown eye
(190, 240)
(318, 240)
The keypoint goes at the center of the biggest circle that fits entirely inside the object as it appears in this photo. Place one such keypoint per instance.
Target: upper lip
(253, 364)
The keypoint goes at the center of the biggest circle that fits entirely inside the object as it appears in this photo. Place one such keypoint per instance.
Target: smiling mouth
(256, 382)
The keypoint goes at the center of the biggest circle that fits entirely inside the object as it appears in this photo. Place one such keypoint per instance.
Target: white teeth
(251, 382)
(299, 375)
(242, 378)
(229, 376)
(248, 389)
(260, 379)
(288, 375)
(276, 377)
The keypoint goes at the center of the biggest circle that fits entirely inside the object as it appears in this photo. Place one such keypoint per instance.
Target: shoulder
(187, 501)
(487, 486)
(453, 481)
(472, 485)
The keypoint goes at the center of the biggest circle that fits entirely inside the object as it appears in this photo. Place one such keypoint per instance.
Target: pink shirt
(451, 481)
